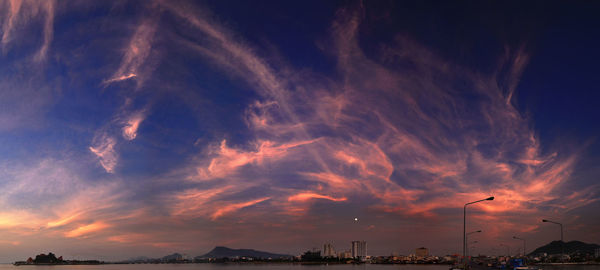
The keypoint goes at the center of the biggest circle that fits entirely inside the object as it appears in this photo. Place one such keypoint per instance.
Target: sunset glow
(141, 128)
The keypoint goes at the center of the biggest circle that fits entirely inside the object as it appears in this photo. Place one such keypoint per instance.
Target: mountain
(224, 252)
(555, 247)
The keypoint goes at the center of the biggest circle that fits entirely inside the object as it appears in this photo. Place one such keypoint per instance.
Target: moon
(355, 219)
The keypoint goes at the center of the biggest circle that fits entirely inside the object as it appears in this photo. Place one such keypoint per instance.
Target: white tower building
(359, 250)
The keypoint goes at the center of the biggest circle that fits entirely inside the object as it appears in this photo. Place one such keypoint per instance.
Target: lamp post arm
(475, 202)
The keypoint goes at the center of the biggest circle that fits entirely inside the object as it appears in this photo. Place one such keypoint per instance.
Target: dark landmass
(573, 247)
(225, 252)
(51, 259)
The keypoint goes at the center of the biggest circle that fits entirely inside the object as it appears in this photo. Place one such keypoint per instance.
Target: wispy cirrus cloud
(401, 134)
(135, 53)
(133, 65)
(311, 195)
(86, 229)
(227, 160)
(23, 12)
(235, 207)
(132, 124)
(396, 135)
(48, 197)
(104, 148)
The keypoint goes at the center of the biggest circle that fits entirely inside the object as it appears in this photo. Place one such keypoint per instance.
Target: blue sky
(134, 128)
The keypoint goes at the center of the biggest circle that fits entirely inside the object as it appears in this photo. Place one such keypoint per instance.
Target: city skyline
(132, 128)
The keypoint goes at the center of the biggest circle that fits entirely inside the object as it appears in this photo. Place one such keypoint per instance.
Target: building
(314, 255)
(597, 253)
(421, 252)
(347, 254)
(328, 251)
(359, 250)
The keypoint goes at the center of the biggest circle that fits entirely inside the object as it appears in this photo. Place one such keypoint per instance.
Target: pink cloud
(305, 196)
(227, 160)
(104, 149)
(416, 146)
(197, 202)
(132, 124)
(87, 229)
(121, 78)
(228, 208)
(13, 13)
(22, 13)
(136, 53)
(395, 142)
(65, 204)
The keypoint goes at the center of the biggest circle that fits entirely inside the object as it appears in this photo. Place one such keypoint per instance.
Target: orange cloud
(87, 229)
(62, 221)
(305, 196)
(228, 160)
(226, 209)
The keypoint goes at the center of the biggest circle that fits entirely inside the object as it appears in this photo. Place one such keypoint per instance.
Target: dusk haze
(141, 129)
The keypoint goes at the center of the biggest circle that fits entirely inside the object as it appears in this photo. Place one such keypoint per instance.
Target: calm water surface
(262, 267)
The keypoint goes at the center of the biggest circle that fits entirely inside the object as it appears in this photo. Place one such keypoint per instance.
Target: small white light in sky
(355, 219)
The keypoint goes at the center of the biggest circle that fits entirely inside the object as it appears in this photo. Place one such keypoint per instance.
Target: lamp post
(472, 248)
(562, 243)
(465, 224)
(468, 252)
(478, 231)
(514, 237)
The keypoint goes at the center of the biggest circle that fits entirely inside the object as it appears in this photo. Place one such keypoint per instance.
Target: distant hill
(555, 247)
(225, 252)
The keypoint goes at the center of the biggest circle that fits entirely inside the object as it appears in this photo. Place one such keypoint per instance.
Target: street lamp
(468, 252)
(514, 237)
(478, 231)
(465, 223)
(471, 248)
(562, 243)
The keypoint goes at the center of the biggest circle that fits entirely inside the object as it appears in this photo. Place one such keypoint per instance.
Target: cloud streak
(23, 12)
(135, 54)
(131, 126)
(133, 66)
(104, 148)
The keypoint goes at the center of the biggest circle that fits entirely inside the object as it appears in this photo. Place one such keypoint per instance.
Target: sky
(143, 128)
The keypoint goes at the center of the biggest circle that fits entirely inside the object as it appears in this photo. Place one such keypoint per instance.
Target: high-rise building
(328, 250)
(422, 252)
(359, 250)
